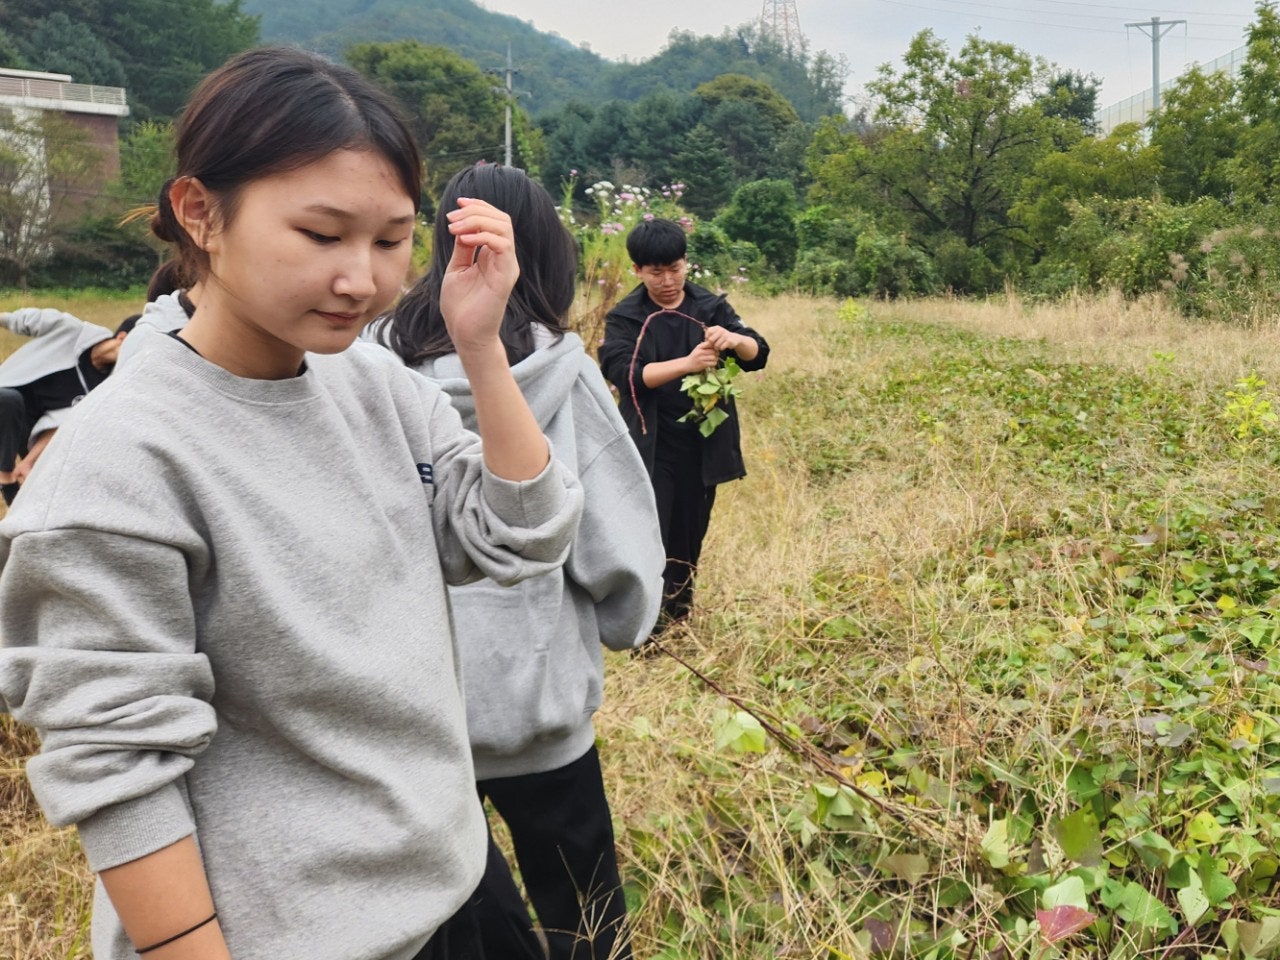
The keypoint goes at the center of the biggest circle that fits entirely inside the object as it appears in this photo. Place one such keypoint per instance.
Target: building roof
(32, 90)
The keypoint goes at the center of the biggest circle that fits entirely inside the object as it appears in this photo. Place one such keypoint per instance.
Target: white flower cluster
(626, 200)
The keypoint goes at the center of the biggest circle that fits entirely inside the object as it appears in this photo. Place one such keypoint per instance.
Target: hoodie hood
(545, 377)
(163, 315)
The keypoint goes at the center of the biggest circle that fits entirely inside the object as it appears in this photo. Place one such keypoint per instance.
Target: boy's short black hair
(656, 243)
(128, 323)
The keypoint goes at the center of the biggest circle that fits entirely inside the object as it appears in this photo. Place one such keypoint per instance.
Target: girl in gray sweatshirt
(223, 595)
(530, 702)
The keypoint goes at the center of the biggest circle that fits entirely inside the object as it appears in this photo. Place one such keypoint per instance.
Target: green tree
(1072, 96)
(606, 144)
(455, 109)
(146, 163)
(770, 104)
(164, 46)
(62, 46)
(11, 52)
(764, 213)
(657, 125)
(812, 85)
(564, 136)
(703, 166)
(47, 166)
(1119, 166)
(167, 46)
(747, 136)
(1198, 135)
(760, 130)
(952, 140)
(1255, 172)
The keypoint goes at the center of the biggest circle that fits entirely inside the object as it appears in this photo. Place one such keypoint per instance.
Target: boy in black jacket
(681, 329)
(43, 379)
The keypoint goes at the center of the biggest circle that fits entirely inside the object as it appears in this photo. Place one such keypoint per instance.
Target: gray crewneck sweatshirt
(530, 703)
(223, 606)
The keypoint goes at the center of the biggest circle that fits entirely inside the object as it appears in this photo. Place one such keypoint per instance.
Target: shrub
(888, 266)
(96, 254)
(1235, 277)
(821, 273)
(1129, 244)
(763, 213)
(966, 269)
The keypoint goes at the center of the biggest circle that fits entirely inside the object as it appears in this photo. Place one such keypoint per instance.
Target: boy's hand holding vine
(723, 339)
(704, 356)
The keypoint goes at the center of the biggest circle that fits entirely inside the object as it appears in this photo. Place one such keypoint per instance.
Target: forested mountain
(158, 49)
(552, 70)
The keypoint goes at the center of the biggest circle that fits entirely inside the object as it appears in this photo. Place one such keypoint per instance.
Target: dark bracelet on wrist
(179, 936)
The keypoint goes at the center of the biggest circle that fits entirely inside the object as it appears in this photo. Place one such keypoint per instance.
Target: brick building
(25, 94)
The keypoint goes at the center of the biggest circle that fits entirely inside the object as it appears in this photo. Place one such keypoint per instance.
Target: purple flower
(573, 172)
(648, 216)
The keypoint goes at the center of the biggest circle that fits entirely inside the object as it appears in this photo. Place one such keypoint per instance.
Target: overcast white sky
(1087, 36)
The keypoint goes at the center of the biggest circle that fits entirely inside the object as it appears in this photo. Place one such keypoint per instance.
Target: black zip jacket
(722, 451)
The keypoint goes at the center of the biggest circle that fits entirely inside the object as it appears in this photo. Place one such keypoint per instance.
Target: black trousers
(684, 511)
(563, 837)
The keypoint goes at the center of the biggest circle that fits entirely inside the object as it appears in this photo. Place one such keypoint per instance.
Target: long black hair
(546, 251)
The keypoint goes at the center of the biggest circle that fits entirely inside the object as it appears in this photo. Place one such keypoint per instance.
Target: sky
(1087, 36)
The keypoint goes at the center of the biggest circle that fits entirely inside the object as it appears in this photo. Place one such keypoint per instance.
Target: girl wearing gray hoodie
(532, 665)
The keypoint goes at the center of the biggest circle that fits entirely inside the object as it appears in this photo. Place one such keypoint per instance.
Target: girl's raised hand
(480, 274)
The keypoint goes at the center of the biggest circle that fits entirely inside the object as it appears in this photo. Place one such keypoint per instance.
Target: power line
(1111, 18)
(1040, 23)
(1037, 23)
(1114, 13)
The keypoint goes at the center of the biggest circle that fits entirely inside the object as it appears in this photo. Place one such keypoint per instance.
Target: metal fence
(1137, 109)
(30, 89)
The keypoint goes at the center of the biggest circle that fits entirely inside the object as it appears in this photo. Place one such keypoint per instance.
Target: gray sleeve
(618, 556)
(486, 526)
(36, 322)
(99, 656)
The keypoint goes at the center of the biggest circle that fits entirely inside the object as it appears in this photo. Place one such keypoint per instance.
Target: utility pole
(510, 93)
(1158, 29)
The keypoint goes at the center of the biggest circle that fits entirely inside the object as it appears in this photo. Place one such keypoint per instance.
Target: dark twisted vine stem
(631, 367)
(917, 820)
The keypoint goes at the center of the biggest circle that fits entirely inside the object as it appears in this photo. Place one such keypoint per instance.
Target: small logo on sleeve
(425, 474)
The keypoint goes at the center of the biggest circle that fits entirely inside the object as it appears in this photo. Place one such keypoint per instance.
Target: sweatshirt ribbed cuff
(126, 831)
(530, 503)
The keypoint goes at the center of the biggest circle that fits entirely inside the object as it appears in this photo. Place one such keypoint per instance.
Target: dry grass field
(1003, 575)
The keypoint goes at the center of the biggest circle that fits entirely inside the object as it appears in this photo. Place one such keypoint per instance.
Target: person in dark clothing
(664, 330)
(43, 379)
